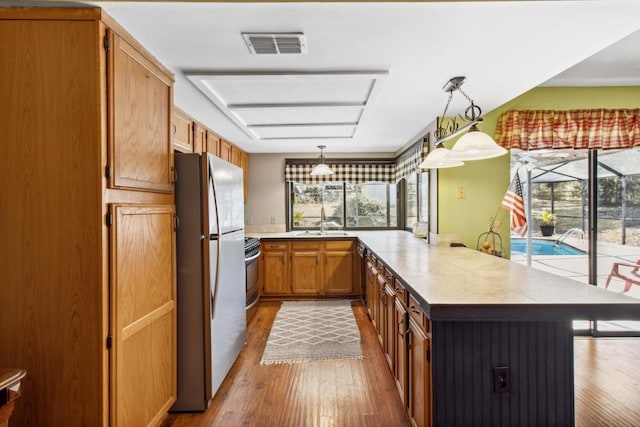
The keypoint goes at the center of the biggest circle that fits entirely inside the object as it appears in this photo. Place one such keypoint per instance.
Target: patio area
(576, 267)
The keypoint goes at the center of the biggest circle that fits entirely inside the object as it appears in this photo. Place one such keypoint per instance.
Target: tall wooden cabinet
(88, 239)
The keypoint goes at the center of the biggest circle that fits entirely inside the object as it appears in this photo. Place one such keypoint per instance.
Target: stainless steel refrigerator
(211, 275)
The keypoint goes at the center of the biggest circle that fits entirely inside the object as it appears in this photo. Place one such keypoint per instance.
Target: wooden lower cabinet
(419, 347)
(373, 291)
(401, 371)
(340, 272)
(308, 268)
(404, 333)
(391, 329)
(143, 312)
(275, 269)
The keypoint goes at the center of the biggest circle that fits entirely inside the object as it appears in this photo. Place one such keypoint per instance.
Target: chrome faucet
(322, 218)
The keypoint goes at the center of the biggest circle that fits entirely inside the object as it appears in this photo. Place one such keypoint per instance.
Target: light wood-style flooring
(361, 392)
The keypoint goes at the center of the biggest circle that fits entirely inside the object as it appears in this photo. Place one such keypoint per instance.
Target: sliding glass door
(602, 249)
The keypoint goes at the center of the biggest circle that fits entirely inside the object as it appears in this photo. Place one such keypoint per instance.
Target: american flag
(513, 202)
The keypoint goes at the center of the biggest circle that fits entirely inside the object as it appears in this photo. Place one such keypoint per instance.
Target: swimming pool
(543, 247)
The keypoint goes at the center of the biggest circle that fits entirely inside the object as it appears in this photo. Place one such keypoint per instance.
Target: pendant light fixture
(321, 168)
(474, 145)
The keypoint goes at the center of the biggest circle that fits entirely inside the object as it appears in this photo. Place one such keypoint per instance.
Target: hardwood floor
(607, 382)
(352, 393)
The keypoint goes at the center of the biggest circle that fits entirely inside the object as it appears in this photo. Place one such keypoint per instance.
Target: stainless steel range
(251, 256)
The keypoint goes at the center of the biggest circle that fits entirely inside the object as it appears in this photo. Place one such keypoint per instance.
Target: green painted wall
(486, 181)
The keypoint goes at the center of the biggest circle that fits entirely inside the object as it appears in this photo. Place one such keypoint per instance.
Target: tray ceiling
(305, 106)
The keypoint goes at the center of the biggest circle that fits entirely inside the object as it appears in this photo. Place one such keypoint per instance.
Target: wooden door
(143, 313)
(140, 147)
(181, 131)
(339, 267)
(420, 375)
(275, 268)
(306, 273)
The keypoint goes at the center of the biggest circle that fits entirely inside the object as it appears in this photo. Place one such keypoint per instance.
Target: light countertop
(465, 284)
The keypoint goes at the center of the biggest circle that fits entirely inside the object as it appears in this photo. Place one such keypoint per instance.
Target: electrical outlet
(501, 379)
(273, 220)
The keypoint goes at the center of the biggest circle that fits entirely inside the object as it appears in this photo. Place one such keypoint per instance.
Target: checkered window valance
(407, 164)
(355, 172)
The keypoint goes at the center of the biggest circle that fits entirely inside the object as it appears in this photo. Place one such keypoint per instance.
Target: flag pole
(528, 214)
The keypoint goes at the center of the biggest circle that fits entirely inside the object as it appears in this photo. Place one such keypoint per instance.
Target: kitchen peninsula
(500, 336)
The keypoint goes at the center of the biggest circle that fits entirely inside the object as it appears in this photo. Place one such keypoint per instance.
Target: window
(368, 205)
(417, 198)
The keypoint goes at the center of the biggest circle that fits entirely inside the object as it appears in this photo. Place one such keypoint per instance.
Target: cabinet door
(381, 309)
(372, 292)
(306, 273)
(339, 267)
(391, 329)
(275, 269)
(181, 132)
(225, 150)
(143, 313)
(199, 138)
(213, 143)
(420, 376)
(244, 164)
(141, 151)
(236, 156)
(401, 352)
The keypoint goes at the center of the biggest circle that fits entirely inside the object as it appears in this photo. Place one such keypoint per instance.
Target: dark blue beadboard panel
(540, 358)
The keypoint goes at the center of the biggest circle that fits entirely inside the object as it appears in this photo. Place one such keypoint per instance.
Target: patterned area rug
(313, 330)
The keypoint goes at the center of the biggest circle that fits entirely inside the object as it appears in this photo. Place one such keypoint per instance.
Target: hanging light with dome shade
(472, 145)
(321, 168)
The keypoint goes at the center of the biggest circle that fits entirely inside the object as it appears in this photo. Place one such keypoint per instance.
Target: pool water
(543, 247)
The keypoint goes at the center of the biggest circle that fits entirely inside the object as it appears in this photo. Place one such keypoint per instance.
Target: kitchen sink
(321, 233)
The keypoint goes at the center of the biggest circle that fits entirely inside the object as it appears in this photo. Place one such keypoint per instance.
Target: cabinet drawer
(401, 293)
(274, 246)
(417, 314)
(306, 246)
(338, 245)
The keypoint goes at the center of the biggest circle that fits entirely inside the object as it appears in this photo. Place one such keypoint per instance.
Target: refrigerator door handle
(214, 245)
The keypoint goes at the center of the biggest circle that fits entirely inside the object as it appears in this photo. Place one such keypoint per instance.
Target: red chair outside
(627, 272)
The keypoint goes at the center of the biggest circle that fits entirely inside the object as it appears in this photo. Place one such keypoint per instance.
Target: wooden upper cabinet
(199, 138)
(182, 132)
(140, 146)
(244, 164)
(226, 149)
(213, 144)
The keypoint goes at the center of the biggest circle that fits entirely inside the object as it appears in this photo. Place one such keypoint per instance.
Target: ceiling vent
(275, 43)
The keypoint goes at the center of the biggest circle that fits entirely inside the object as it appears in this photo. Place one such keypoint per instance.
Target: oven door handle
(247, 260)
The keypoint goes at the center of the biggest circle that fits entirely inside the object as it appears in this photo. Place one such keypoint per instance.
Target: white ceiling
(504, 48)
